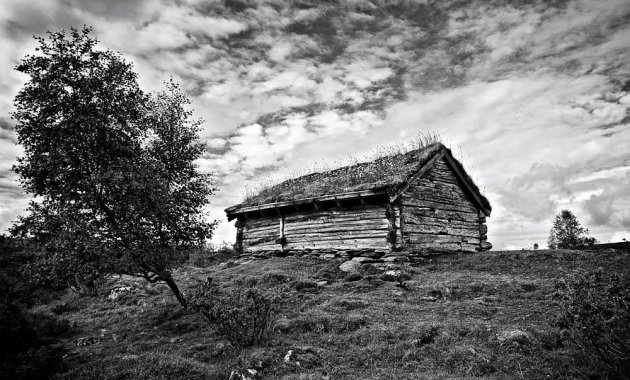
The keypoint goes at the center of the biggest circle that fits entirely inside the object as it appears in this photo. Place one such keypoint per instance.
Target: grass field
(484, 315)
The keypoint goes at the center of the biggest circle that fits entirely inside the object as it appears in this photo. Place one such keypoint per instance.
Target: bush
(26, 343)
(595, 316)
(204, 257)
(243, 317)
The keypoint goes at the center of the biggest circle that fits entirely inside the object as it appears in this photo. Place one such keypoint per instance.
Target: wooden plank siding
(341, 228)
(437, 214)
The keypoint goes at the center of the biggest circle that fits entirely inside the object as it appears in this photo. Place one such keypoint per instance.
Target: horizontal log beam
(412, 229)
(233, 211)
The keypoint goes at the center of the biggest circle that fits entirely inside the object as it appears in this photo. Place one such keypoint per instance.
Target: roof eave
(234, 211)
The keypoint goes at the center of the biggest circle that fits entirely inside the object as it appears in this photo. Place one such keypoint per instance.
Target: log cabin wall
(437, 215)
(352, 227)
(260, 233)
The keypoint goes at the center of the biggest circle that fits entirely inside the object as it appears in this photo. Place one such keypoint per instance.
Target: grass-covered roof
(387, 174)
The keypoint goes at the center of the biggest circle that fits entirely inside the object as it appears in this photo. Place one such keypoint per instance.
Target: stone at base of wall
(365, 255)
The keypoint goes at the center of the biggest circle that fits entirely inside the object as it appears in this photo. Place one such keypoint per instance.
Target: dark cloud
(530, 194)
(610, 208)
(281, 115)
(117, 9)
(6, 130)
(5, 124)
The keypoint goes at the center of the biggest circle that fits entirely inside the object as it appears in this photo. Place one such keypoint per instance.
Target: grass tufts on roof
(387, 169)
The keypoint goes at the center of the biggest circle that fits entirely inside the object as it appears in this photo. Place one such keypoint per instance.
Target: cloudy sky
(533, 95)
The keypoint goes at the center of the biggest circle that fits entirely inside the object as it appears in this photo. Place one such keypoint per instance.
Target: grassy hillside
(475, 316)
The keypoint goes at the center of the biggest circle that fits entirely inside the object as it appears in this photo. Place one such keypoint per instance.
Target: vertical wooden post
(394, 236)
(281, 237)
(240, 223)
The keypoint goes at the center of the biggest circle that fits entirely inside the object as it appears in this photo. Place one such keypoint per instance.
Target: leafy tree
(111, 169)
(567, 232)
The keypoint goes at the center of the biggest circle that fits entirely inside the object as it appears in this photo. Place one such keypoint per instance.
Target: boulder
(117, 292)
(350, 266)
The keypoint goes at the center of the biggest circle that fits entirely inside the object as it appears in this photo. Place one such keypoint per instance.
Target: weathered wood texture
(342, 228)
(438, 215)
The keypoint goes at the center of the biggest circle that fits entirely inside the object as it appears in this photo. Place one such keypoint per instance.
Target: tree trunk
(168, 279)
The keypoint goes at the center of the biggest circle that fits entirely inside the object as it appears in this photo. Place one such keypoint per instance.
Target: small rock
(228, 264)
(248, 374)
(396, 275)
(305, 357)
(288, 356)
(395, 259)
(429, 299)
(322, 283)
(350, 266)
(513, 336)
(391, 275)
(328, 256)
(88, 341)
(362, 259)
(486, 245)
(117, 292)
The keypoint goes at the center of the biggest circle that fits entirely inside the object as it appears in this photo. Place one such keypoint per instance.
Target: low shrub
(242, 316)
(65, 307)
(427, 335)
(303, 285)
(321, 323)
(269, 279)
(330, 272)
(207, 256)
(595, 316)
(26, 343)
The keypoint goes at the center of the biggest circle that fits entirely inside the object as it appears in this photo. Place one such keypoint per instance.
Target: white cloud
(507, 107)
(529, 142)
(363, 74)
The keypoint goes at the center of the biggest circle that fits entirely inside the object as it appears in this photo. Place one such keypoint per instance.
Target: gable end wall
(439, 216)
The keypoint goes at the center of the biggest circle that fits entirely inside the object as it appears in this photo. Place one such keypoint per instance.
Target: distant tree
(535, 246)
(111, 169)
(567, 232)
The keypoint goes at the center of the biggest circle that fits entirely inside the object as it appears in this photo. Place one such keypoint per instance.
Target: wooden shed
(404, 205)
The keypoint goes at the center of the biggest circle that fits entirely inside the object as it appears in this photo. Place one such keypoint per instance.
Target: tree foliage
(568, 233)
(111, 169)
